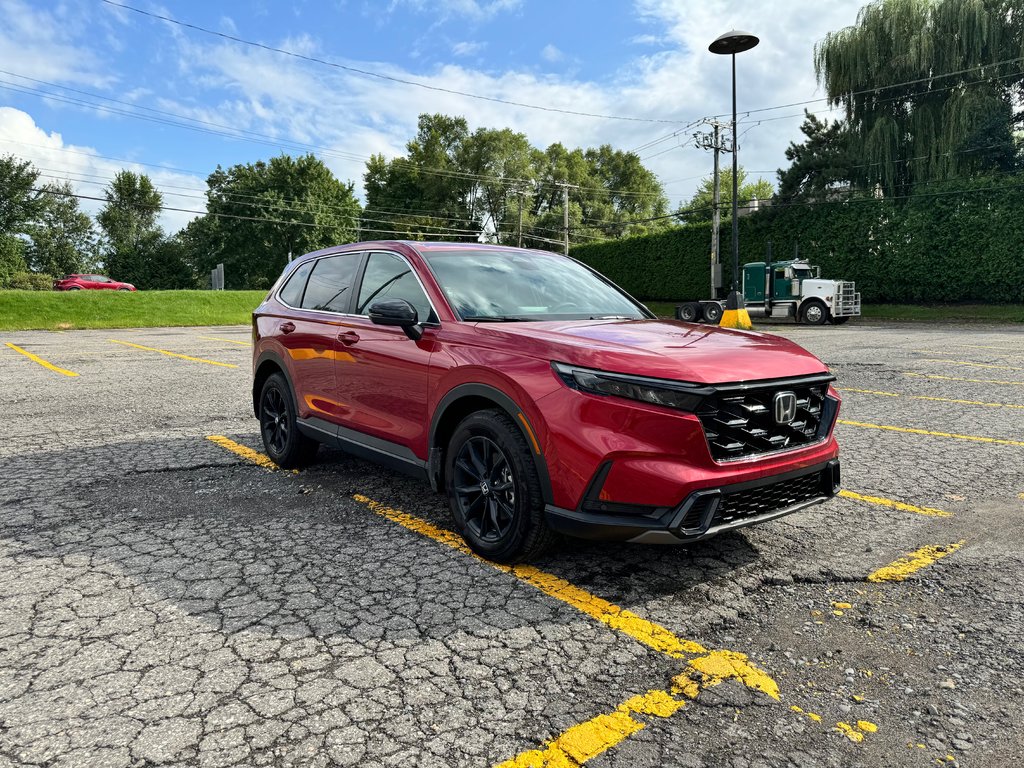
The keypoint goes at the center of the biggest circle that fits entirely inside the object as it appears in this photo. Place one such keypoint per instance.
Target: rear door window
(329, 288)
(291, 294)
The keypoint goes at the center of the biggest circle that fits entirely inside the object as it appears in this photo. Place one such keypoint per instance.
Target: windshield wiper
(614, 317)
(496, 319)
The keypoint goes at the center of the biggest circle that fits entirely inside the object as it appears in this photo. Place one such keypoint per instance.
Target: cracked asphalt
(164, 601)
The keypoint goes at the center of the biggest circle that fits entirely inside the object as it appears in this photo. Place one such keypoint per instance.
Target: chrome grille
(740, 422)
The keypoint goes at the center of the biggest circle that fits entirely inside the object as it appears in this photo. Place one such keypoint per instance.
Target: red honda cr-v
(538, 396)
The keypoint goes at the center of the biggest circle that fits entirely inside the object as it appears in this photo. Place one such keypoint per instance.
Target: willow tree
(928, 87)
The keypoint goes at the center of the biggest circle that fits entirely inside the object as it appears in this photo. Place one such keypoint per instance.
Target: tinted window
(524, 285)
(329, 285)
(389, 276)
(291, 294)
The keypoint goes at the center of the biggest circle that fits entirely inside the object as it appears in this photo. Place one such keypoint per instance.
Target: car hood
(663, 349)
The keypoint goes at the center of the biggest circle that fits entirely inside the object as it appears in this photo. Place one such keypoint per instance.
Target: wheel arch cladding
(268, 365)
(459, 403)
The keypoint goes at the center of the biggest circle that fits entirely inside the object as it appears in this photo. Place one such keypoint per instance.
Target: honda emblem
(784, 407)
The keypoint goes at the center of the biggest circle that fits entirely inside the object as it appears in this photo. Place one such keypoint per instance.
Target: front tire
(814, 313)
(285, 445)
(494, 490)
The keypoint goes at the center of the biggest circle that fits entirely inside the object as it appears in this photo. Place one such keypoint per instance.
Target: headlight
(681, 395)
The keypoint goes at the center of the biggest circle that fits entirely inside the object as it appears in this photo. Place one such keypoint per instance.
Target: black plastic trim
(510, 407)
(368, 447)
(275, 358)
(612, 527)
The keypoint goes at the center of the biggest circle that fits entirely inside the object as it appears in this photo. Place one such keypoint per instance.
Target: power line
(381, 76)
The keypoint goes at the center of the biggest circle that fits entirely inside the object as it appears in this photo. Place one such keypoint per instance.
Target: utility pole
(715, 142)
(565, 216)
(521, 195)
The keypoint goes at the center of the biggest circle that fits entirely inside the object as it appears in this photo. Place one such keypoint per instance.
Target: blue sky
(645, 59)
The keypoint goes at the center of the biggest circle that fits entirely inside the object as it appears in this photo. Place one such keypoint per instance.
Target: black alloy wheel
(485, 489)
(285, 444)
(494, 489)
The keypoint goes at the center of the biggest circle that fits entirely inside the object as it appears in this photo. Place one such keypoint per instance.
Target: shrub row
(963, 242)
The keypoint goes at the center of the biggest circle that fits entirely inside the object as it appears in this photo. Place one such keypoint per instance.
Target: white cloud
(89, 173)
(467, 48)
(44, 45)
(551, 53)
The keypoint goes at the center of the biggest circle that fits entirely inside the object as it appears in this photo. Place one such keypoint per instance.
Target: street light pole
(735, 315)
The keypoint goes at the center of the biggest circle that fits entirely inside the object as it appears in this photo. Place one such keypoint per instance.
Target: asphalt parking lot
(166, 598)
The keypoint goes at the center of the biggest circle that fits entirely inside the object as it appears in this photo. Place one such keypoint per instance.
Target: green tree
(823, 162)
(12, 258)
(260, 212)
(700, 206)
(458, 185)
(928, 87)
(128, 219)
(20, 200)
(62, 236)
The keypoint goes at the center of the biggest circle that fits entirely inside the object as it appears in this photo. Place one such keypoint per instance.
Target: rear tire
(75, 288)
(713, 312)
(689, 312)
(124, 289)
(814, 313)
(285, 445)
(494, 490)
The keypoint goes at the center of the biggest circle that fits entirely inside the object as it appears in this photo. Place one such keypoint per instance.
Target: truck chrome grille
(740, 421)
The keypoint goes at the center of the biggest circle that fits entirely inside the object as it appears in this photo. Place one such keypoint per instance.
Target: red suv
(538, 396)
(90, 282)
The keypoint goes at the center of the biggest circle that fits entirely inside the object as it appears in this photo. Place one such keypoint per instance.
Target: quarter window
(388, 276)
(291, 294)
(329, 286)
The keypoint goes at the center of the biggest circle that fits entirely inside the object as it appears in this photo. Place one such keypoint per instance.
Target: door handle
(348, 337)
(287, 327)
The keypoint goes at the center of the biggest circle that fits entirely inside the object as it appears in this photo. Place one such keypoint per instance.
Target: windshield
(513, 285)
(802, 273)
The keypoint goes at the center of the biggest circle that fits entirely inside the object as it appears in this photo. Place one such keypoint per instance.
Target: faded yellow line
(973, 365)
(930, 433)
(954, 378)
(915, 561)
(710, 666)
(856, 734)
(931, 398)
(36, 359)
(244, 451)
(891, 503)
(229, 341)
(585, 741)
(174, 354)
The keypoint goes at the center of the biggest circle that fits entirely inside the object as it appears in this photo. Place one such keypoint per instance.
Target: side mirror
(397, 312)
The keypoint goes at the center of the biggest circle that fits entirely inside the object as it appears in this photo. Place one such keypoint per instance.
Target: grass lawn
(65, 310)
(942, 313)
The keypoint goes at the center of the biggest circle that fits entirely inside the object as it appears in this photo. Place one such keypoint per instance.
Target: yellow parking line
(229, 341)
(954, 378)
(883, 502)
(915, 561)
(44, 363)
(972, 365)
(933, 399)
(174, 354)
(244, 451)
(717, 665)
(931, 433)
(585, 741)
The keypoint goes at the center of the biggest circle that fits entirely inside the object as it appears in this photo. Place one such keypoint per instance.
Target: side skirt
(385, 452)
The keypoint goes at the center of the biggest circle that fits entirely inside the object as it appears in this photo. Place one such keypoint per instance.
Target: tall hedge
(962, 242)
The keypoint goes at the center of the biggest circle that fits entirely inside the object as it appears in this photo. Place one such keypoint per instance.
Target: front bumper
(706, 512)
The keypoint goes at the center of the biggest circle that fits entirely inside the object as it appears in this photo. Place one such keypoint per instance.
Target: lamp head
(734, 41)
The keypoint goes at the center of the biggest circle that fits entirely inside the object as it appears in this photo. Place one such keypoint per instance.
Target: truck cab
(795, 289)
